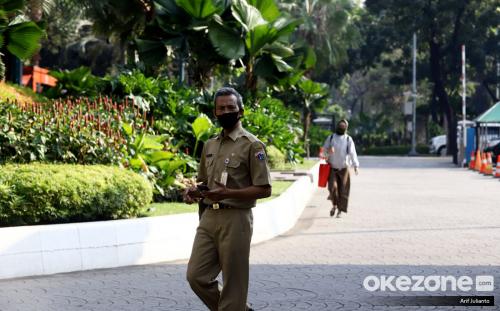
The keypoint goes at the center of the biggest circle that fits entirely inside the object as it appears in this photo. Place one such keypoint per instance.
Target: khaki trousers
(222, 243)
(339, 185)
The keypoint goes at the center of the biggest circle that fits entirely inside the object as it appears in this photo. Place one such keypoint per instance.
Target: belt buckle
(215, 206)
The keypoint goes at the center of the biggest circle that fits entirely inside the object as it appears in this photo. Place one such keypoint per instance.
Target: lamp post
(413, 151)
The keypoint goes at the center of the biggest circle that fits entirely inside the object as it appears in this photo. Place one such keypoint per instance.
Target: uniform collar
(235, 134)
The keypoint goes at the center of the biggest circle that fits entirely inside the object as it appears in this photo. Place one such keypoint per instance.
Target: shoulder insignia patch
(260, 155)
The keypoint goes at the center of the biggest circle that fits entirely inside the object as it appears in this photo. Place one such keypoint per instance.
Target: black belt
(219, 206)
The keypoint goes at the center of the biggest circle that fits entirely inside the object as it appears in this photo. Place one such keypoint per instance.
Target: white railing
(49, 249)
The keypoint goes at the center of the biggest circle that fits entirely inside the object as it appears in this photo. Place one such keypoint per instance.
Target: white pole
(498, 81)
(414, 91)
(464, 94)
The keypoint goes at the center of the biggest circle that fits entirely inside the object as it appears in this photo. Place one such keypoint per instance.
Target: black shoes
(332, 212)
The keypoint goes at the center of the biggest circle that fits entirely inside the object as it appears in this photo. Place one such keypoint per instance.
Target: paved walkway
(407, 216)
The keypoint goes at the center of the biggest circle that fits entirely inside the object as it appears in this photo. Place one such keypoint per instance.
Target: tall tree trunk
(442, 98)
(250, 79)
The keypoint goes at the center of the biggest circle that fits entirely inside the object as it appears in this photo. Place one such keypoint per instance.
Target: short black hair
(226, 91)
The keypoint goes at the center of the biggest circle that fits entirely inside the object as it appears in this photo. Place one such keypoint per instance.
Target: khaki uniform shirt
(244, 158)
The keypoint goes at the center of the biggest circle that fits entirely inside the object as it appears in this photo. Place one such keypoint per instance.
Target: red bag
(324, 173)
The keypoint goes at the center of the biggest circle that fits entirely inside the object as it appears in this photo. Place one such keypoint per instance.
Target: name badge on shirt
(223, 176)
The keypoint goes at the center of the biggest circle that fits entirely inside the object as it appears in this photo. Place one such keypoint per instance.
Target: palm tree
(120, 20)
(329, 27)
(183, 27)
(264, 38)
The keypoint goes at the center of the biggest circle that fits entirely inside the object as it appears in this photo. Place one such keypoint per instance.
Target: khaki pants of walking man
(339, 185)
(222, 242)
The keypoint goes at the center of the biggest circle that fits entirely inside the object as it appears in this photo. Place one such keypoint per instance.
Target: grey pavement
(407, 216)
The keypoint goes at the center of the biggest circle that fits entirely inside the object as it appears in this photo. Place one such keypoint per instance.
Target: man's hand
(356, 170)
(218, 194)
(191, 195)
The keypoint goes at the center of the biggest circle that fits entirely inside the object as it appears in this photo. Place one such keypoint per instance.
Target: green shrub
(393, 150)
(275, 157)
(45, 193)
(276, 125)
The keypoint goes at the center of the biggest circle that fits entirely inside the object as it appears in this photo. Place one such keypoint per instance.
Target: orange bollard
(477, 165)
(488, 170)
(497, 171)
(472, 161)
(483, 163)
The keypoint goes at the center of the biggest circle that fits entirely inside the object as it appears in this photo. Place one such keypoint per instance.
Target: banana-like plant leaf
(150, 143)
(226, 41)
(200, 9)
(258, 37)
(267, 8)
(310, 58)
(279, 49)
(247, 15)
(158, 156)
(23, 39)
(310, 87)
(286, 26)
(201, 125)
(281, 64)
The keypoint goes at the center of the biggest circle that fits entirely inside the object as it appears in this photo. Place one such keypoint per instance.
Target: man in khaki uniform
(234, 167)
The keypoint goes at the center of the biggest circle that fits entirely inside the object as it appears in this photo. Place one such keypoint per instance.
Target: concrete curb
(49, 249)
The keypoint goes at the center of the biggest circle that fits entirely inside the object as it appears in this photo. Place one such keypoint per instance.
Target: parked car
(437, 145)
(495, 151)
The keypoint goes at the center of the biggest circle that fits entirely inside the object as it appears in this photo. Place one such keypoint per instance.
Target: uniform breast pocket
(210, 166)
(236, 170)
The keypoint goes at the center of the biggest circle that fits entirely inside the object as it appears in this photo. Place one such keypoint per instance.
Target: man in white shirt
(340, 154)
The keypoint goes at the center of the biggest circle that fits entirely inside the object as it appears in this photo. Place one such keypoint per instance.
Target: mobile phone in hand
(202, 187)
(198, 193)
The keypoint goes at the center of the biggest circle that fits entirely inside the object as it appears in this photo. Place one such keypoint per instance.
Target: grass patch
(22, 94)
(170, 208)
(305, 165)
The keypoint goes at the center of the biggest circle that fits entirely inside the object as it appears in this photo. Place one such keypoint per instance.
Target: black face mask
(340, 131)
(228, 120)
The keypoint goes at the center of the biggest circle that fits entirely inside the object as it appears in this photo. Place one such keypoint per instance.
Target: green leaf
(248, 16)
(200, 9)
(279, 49)
(201, 126)
(23, 39)
(281, 64)
(267, 8)
(310, 58)
(259, 36)
(286, 26)
(310, 87)
(136, 163)
(128, 129)
(158, 156)
(150, 142)
(226, 42)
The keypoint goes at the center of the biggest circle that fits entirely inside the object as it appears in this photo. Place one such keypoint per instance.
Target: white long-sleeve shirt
(344, 151)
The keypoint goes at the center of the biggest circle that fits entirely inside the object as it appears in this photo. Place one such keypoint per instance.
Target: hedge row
(48, 193)
(393, 150)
